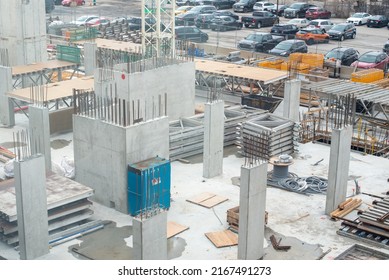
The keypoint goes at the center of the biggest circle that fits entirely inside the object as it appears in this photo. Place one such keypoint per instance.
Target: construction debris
(346, 207)
(276, 244)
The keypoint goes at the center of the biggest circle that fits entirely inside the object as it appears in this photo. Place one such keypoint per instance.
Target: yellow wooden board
(174, 229)
(223, 238)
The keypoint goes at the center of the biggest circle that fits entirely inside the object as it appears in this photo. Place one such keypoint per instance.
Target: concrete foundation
(7, 116)
(150, 237)
(252, 204)
(90, 49)
(291, 102)
(39, 127)
(176, 80)
(23, 31)
(338, 168)
(61, 120)
(31, 203)
(213, 139)
(102, 152)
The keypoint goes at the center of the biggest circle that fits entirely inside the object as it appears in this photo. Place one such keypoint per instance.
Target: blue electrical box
(148, 185)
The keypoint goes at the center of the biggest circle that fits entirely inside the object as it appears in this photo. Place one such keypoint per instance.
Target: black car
(204, 20)
(344, 54)
(244, 6)
(219, 4)
(377, 21)
(186, 19)
(190, 33)
(285, 48)
(296, 10)
(287, 30)
(342, 31)
(225, 13)
(225, 23)
(279, 11)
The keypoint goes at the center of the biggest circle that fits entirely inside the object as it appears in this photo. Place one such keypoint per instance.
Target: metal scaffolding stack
(186, 136)
(67, 206)
(281, 136)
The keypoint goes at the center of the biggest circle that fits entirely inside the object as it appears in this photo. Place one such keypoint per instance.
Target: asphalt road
(367, 39)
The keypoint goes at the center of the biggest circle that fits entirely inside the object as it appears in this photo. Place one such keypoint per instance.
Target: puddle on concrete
(109, 244)
(59, 143)
(299, 250)
(10, 145)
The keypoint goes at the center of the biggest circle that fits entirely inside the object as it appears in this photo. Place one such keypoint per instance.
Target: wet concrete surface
(59, 143)
(110, 243)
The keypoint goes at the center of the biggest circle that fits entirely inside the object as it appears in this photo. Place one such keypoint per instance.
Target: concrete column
(150, 237)
(292, 100)
(7, 115)
(338, 167)
(90, 49)
(213, 139)
(39, 125)
(252, 204)
(31, 205)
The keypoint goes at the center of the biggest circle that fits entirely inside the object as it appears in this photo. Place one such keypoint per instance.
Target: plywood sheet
(266, 76)
(55, 91)
(173, 229)
(201, 197)
(223, 238)
(117, 45)
(213, 201)
(38, 67)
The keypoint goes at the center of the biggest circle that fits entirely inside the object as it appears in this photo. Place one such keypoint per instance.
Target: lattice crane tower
(158, 38)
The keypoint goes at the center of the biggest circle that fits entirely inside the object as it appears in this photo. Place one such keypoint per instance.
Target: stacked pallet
(346, 207)
(272, 64)
(367, 76)
(233, 218)
(314, 60)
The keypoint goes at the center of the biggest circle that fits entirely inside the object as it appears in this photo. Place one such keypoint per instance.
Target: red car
(97, 21)
(374, 59)
(317, 13)
(68, 2)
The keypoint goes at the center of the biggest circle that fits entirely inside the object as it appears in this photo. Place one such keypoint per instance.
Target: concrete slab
(291, 100)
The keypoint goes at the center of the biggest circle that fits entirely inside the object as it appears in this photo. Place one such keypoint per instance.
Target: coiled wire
(307, 185)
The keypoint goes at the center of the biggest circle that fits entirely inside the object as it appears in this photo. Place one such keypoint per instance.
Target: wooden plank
(223, 238)
(201, 197)
(213, 201)
(174, 229)
(38, 67)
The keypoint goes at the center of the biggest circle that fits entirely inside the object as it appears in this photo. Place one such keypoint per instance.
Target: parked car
(204, 20)
(98, 21)
(190, 33)
(225, 13)
(244, 6)
(385, 49)
(296, 10)
(312, 36)
(81, 21)
(346, 55)
(204, 9)
(286, 30)
(317, 13)
(279, 10)
(49, 6)
(181, 3)
(263, 6)
(358, 18)
(323, 24)
(260, 19)
(225, 23)
(220, 4)
(186, 19)
(285, 48)
(259, 42)
(377, 21)
(135, 23)
(373, 59)
(342, 31)
(182, 10)
(299, 22)
(68, 2)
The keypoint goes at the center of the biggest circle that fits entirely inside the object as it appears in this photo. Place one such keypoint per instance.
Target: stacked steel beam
(186, 136)
(376, 219)
(67, 205)
(282, 136)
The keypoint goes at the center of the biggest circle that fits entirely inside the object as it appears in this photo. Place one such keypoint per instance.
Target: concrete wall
(7, 116)
(150, 237)
(31, 203)
(61, 120)
(292, 100)
(23, 31)
(90, 49)
(102, 152)
(177, 80)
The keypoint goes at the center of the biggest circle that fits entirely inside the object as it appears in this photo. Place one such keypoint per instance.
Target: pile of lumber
(346, 207)
(6, 155)
(233, 218)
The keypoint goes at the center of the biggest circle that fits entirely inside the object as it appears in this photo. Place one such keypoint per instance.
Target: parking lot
(367, 39)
